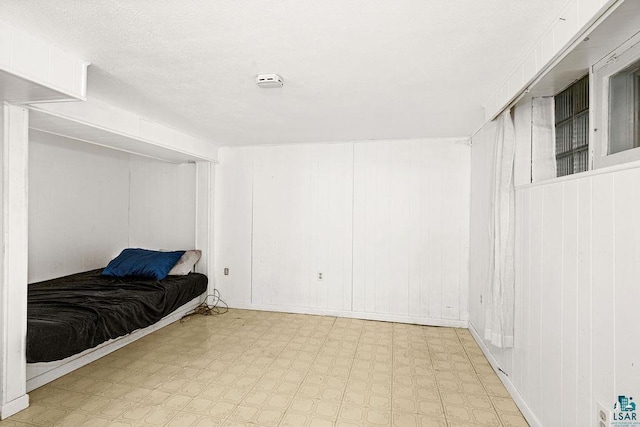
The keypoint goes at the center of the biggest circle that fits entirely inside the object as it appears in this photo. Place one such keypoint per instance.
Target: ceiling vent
(266, 81)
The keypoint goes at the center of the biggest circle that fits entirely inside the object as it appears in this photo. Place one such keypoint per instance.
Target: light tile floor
(267, 369)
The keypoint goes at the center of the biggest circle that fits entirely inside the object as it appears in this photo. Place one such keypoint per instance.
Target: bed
(70, 315)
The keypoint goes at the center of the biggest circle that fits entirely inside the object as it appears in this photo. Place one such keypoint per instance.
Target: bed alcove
(163, 165)
(84, 123)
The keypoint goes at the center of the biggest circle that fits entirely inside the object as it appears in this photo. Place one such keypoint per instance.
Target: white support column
(13, 268)
(204, 220)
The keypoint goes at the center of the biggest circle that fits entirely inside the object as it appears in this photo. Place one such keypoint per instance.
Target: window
(616, 80)
(624, 98)
(572, 128)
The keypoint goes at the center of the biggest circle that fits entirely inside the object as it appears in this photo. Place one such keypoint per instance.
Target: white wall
(302, 210)
(577, 253)
(233, 225)
(411, 228)
(87, 203)
(162, 204)
(78, 205)
(386, 223)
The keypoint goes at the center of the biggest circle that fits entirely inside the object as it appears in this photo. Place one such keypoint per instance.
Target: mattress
(68, 315)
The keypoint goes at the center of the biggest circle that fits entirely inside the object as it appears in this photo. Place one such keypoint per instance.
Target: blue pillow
(142, 263)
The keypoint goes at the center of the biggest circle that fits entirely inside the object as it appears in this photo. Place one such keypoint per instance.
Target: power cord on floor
(218, 306)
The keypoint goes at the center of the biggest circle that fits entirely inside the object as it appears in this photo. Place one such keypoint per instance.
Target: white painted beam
(55, 74)
(103, 124)
(14, 241)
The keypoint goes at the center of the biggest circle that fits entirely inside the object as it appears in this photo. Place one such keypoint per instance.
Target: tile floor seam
(393, 338)
(442, 408)
(280, 352)
(307, 373)
(349, 374)
(194, 397)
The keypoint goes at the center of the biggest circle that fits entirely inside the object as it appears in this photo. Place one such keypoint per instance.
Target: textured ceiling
(353, 70)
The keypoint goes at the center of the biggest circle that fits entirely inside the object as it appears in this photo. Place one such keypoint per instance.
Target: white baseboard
(513, 391)
(13, 407)
(39, 374)
(454, 323)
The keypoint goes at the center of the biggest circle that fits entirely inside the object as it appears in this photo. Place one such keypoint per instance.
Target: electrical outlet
(604, 416)
(226, 271)
(480, 298)
(319, 275)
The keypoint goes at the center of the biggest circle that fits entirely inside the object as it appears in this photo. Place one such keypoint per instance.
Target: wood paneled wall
(411, 227)
(162, 208)
(386, 223)
(87, 203)
(577, 293)
(302, 210)
(78, 206)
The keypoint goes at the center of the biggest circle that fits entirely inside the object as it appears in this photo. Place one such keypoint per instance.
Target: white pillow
(185, 263)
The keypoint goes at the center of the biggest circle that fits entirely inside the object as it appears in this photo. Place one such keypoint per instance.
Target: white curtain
(543, 146)
(500, 305)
